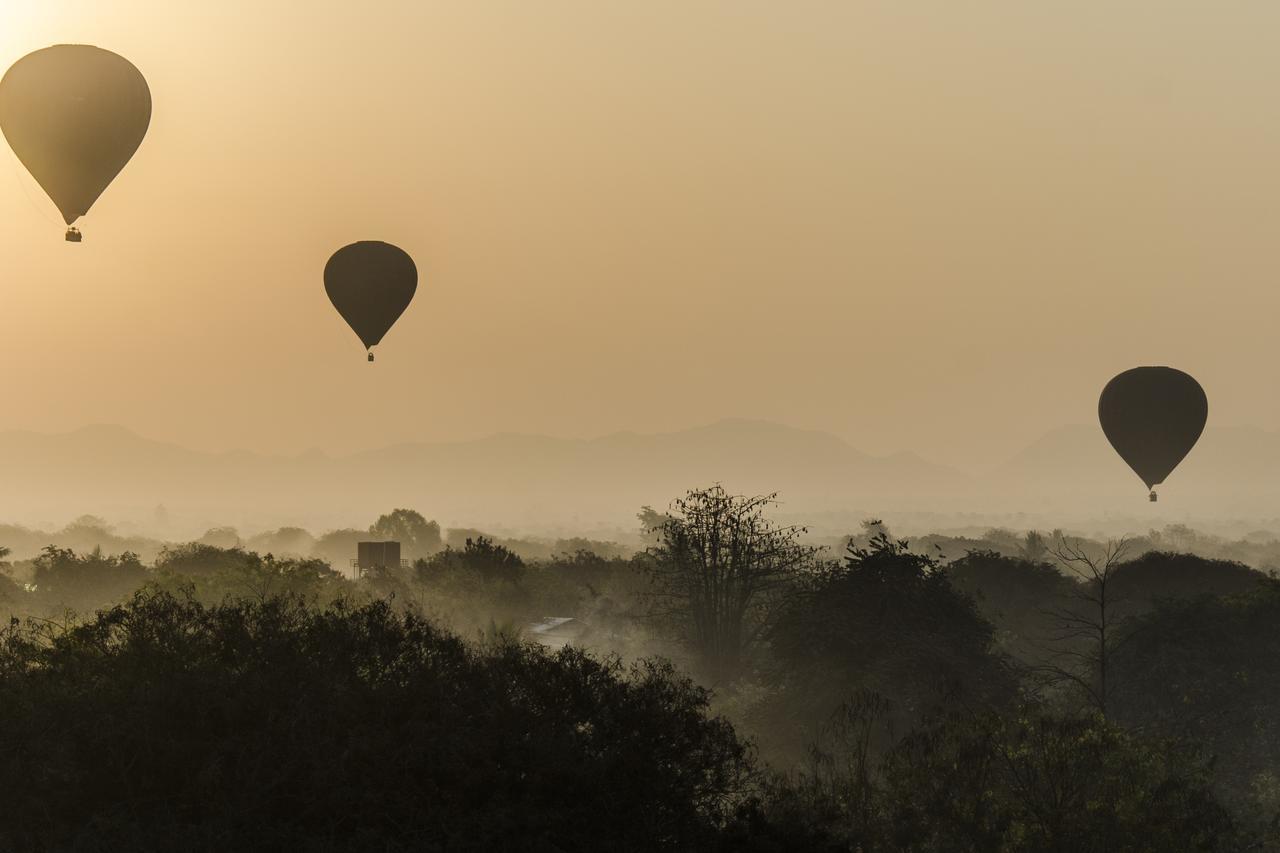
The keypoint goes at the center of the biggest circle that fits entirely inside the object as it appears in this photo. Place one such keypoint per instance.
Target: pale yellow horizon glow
(929, 226)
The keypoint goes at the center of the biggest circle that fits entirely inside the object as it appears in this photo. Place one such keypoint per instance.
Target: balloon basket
(1152, 497)
(74, 235)
(370, 358)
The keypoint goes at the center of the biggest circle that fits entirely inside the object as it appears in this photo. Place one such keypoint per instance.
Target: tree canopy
(417, 537)
(167, 724)
(887, 620)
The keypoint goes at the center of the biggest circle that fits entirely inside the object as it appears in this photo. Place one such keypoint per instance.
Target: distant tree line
(1034, 692)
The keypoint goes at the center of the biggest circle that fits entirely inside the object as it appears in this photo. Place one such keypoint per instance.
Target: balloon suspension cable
(35, 205)
(1152, 497)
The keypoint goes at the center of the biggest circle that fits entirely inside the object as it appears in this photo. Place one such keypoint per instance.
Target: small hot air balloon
(74, 114)
(1153, 416)
(370, 283)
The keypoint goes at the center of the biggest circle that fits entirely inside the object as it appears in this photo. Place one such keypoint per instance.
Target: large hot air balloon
(74, 114)
(370, 283)
(1153, 416)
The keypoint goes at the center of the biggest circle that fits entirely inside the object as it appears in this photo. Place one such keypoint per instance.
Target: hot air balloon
(1153, 416)
(74, 114)
(370, 283)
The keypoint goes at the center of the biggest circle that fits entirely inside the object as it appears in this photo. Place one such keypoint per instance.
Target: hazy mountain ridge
(514, 478)
(525, 481)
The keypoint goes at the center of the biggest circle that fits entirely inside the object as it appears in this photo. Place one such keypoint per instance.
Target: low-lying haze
(539, 485)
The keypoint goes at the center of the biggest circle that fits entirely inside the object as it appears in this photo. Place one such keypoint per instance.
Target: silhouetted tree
(199, 558)
(588, 566)
(63, 579)
(492, 562)
(9, 589)
(1035, 783)
(886, 621)
(1035, 547)
(1025, 782)
(1012, 594)
(1143, 582)
(214, 574)
(164, 725)
(651, 523)
(417, 537)
(720, 572)
(1090, 625)
(1206, 671)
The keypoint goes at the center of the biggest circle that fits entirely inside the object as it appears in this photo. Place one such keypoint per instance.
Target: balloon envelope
(370, 283)
(74, 114)
(1153, 416)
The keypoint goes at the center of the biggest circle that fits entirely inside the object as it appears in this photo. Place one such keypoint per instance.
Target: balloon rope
(26, 191)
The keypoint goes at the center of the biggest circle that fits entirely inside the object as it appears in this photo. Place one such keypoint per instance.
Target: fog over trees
(607, 427)
(722, 680)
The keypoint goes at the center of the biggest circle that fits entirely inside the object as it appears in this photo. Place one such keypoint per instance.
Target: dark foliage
(1013, 594)
(888, 621)
(417, 537)
(492, 562)
(1207, 671)
(1161, 575)
(720, 572)
(1033, 783)
(197, 558)
(65, 580)
(9, 590)
(1025, 782)
(167, 725)
(210, 713)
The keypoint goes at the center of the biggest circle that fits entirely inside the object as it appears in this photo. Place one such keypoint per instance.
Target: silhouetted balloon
(74, 114)
(1153, 416)
(370, 283)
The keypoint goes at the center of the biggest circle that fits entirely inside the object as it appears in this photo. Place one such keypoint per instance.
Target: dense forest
(727, 682)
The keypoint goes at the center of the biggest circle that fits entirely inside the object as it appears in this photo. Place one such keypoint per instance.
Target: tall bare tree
(1089, 625)
(720, 569)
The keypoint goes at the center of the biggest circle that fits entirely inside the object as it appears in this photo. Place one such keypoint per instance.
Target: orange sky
(928, 225)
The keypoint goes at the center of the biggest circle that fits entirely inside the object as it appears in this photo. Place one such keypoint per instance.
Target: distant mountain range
(509, 479)
(529, 482)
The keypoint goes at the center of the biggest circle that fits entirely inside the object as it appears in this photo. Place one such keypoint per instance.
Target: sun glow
(19, 19)
(27, 25)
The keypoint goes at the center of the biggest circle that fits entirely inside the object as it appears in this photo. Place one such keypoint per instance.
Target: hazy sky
(935, 226)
